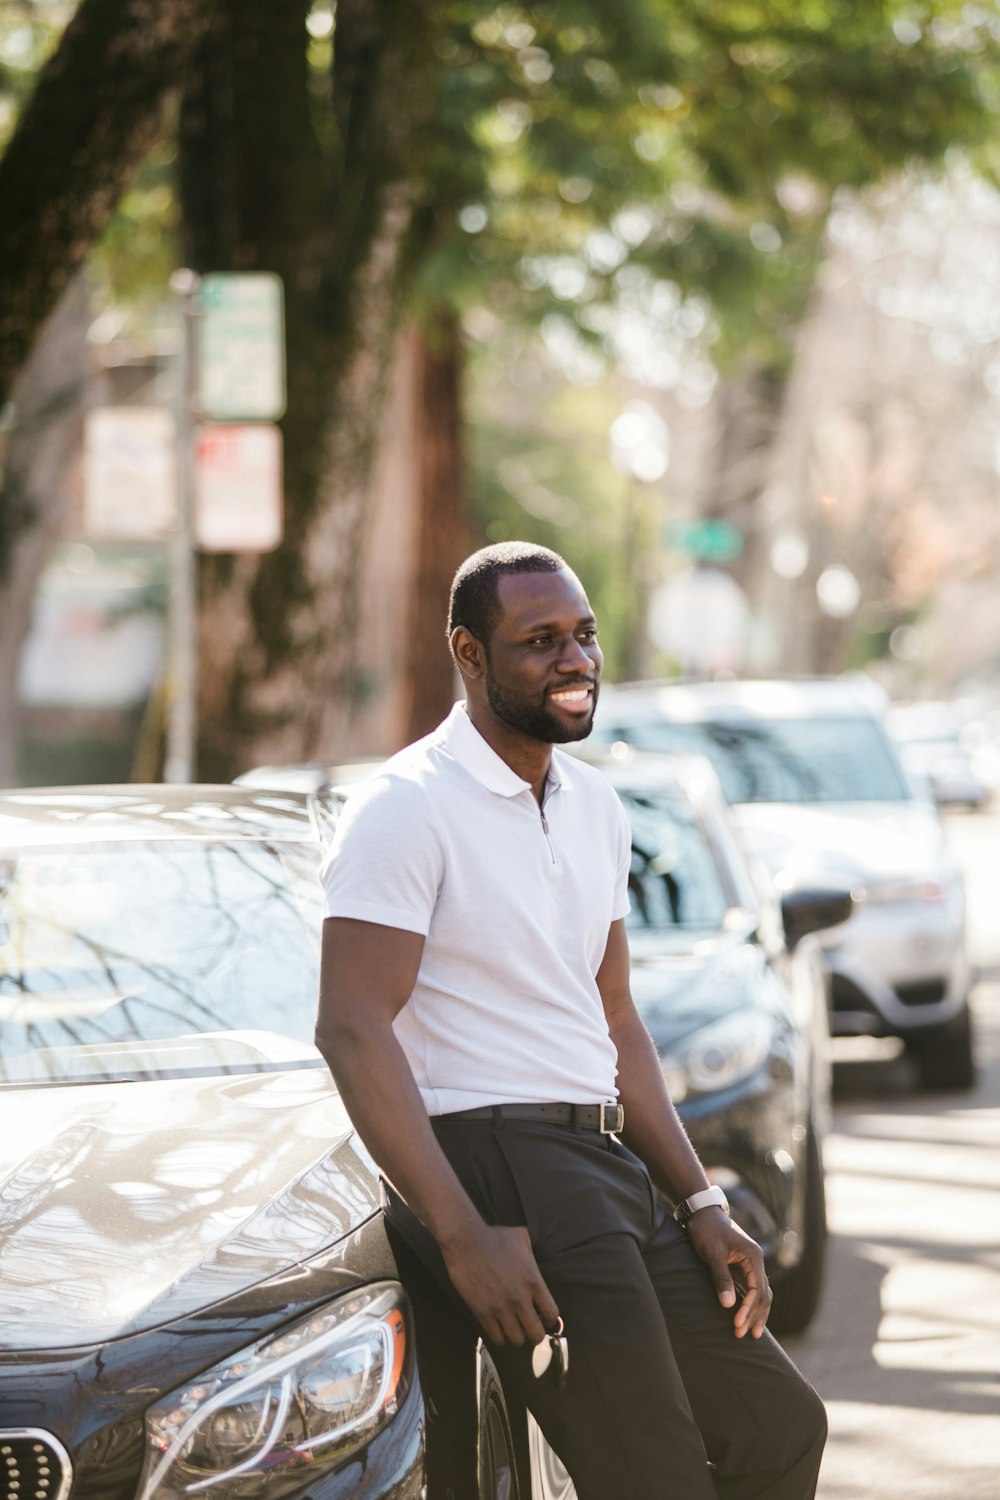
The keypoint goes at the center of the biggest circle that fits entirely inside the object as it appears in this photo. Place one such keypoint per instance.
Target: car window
(673, 880)
(155, 959)
(786, 760)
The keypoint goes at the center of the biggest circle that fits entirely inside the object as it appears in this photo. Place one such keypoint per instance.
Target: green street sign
(241, 347)
(710, 539)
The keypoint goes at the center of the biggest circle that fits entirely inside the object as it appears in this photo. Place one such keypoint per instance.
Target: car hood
(845, 843)
(676, 992)
(127, 1205)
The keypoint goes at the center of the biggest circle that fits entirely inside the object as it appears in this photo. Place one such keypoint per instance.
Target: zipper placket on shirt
(545, 830)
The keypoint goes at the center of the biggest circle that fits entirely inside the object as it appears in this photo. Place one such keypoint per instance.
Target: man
(475, 1010)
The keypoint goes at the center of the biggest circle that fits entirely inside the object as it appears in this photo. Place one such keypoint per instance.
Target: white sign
(238, 488)
(241, 347)
(129, 473)
(700, 617)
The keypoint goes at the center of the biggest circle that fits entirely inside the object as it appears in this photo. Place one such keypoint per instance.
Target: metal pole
(182, 680)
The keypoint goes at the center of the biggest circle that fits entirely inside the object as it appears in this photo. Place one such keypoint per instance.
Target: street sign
(238, 488)
(241, 347)
(699, 617)
(709, 538)
(129, 473)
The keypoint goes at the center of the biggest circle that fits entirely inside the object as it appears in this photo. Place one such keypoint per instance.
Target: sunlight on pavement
(906, 1347)
(951, 1459)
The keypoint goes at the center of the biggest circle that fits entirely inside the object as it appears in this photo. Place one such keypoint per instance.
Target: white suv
(818, 793)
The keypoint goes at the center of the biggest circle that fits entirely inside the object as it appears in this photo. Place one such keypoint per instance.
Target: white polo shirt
(446, 840)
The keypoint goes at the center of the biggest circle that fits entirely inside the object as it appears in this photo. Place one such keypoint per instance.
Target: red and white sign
(238, 505)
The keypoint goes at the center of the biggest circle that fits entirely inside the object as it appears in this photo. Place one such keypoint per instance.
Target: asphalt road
(905, 1349)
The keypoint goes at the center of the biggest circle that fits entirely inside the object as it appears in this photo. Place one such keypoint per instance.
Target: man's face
(543, 660)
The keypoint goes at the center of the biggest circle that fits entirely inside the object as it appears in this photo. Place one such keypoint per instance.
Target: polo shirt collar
(481, 761)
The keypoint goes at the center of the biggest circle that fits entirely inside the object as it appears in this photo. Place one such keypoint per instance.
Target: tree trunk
(276, 633)
(48, 400)
(750, 409)
(94, 115)
(442, 525)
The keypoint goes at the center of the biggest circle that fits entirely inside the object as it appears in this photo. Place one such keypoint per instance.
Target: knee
(818, 1417)
(807, 1423)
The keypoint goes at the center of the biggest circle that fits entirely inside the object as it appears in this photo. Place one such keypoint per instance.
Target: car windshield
(674, 880)
(786, 760)
(152, 960)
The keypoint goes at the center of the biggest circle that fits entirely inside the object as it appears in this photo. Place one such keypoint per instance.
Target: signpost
(708, 538)
(237, 488)
(129, 473)
(241, 347)
(231, 371)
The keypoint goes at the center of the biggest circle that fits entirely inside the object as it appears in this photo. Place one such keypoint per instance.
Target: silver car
(819, 794)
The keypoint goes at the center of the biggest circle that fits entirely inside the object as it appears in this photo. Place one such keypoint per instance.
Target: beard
(535, 719)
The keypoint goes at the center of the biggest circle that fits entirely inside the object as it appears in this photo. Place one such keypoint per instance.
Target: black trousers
(662, 1401)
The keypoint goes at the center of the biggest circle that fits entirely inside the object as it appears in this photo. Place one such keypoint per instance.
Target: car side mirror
(808, 911)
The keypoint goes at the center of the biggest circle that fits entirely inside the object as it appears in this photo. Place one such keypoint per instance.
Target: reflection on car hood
(126, 1205)
(846, 843)
(675, 993)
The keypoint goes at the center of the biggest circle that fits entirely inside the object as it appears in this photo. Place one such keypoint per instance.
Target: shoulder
(401, 793)
(596, 794)
(593, 783)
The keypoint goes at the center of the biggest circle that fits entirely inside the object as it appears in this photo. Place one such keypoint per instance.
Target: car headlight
(719, 1055)
(311, 1394)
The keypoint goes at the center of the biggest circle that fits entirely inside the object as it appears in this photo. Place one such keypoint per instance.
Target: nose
(576, 657)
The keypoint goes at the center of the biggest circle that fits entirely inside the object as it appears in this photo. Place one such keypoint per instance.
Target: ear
(470, 658)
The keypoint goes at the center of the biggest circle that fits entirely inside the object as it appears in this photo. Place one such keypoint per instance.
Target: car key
(552, 1353)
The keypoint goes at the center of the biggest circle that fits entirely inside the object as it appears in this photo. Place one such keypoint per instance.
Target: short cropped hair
(475, 593)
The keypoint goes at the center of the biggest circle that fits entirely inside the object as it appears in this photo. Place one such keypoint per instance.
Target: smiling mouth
(574, 697)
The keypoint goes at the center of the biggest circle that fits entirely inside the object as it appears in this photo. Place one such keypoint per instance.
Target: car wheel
(945, 1054)
(797, 1291)
(497, 1455)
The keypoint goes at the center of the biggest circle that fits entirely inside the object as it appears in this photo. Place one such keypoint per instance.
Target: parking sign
(240, 347)
(238, 488)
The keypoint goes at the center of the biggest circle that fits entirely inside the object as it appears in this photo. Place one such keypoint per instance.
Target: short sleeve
(385, 863)
(622, 904)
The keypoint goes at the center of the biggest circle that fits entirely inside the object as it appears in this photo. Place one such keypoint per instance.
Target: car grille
(927, 992)
(33, 1466)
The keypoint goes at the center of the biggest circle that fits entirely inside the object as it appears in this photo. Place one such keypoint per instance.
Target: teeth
(579, 695)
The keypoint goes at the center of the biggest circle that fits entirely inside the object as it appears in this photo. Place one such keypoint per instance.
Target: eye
(539, 640)
(590, 634)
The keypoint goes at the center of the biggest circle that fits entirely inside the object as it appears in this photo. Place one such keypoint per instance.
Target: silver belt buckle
(617, 1114)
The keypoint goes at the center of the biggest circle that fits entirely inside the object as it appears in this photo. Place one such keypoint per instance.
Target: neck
(528, 758)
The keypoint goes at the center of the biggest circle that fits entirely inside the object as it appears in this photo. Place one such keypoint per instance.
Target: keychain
(553, 1349)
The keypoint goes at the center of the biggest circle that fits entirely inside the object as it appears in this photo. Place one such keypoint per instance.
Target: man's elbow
(337, 1036)
(346, 1037)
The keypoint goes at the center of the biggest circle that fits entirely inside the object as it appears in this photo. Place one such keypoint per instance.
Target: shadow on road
(850, 1372)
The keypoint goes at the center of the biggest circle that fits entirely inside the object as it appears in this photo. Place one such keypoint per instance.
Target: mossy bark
(95, 113)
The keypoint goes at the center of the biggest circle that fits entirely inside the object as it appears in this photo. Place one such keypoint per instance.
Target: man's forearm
(652, 1128)
(384, 1103)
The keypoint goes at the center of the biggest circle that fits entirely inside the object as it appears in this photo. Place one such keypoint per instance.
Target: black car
(197, 1295)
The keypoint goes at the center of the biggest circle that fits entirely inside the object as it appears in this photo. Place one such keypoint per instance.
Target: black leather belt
(609, 1119)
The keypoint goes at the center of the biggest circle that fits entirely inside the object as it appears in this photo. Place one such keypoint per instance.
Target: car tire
(797, 1291)
(945, 1055)
(498, 1464)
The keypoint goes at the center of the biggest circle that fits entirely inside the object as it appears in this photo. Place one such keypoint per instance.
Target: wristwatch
(706, 1198)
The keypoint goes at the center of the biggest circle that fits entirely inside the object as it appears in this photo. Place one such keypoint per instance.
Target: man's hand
(722, 1244)
(495, 1273)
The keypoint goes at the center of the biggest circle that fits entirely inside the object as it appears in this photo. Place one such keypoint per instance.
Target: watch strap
(707, 1198)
